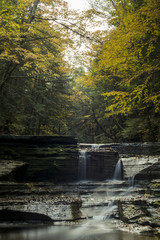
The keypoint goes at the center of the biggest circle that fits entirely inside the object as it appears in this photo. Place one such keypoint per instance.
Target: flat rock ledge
(37, 202)
(137, 211)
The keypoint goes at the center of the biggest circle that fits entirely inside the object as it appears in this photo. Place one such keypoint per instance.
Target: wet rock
(138, 207)
(122, 217)
(12, 170)
(149, 173)
(100, 163)
(134, 164)
(47, 199)
(140, 213)
(134, 156)
(148, 148)
(55, 208)
(45, 140)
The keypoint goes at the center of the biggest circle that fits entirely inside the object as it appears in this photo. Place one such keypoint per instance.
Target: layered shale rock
(99, 163)
(138, 158)
(44, 202)
(49, 158)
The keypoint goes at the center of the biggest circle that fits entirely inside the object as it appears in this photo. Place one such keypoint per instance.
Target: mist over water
(85, 232)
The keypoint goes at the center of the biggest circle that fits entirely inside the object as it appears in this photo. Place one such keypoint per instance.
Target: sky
(78, 4)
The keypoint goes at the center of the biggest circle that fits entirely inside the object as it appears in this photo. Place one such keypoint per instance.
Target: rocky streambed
(134, 209)
(131, 203)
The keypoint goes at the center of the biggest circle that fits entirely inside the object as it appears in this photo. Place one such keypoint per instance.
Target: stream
(69, 233)
(99, 210)
(98, 207)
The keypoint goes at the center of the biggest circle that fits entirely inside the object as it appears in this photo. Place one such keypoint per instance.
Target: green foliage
(33, 75)
(122, 86)
(126, 72)
(118, 99)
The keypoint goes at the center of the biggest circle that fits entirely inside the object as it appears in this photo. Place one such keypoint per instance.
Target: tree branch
(113, 4)
(118, 124)
(100, 126)
(31, 17)
(72, 30)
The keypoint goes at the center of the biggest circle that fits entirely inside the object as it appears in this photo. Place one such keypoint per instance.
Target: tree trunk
(31, 17)
(100, 126)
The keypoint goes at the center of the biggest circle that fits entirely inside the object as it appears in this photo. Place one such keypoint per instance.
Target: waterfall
(82, 165)
(109, 210)
(131, 181)
(118, 173)
(95, 146)
(99, 217)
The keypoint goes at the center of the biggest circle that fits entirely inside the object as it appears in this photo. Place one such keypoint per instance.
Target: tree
(33, 72)
(126, 69)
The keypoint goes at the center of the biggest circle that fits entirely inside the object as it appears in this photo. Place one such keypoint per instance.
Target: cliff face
(49, 158)
(56, 158)
(52, 158)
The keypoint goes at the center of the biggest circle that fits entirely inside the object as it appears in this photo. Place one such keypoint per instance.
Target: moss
(18, 151)
(47, 160)
(157, 204)
(156, 185)
(155, 189)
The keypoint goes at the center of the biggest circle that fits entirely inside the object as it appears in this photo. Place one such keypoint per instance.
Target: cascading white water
(104, 214)
(118, 171)
(95, 146)
(82, 165)
(131, 181)
(101, 198)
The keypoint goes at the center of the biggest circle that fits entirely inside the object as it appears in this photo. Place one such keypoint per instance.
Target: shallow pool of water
(84, 232)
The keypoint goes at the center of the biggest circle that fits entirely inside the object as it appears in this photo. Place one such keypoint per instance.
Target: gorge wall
(56, 159)
(51, 158)
(39, 158)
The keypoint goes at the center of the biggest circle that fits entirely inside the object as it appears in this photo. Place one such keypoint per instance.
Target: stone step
(40, 189)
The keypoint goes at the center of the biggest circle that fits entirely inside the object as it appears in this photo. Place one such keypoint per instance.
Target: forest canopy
(112, 95)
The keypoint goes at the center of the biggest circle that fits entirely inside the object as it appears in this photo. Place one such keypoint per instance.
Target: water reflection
(70, 233)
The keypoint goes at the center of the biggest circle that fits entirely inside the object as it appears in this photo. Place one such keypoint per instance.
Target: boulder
(12, 170)
(149, 173)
